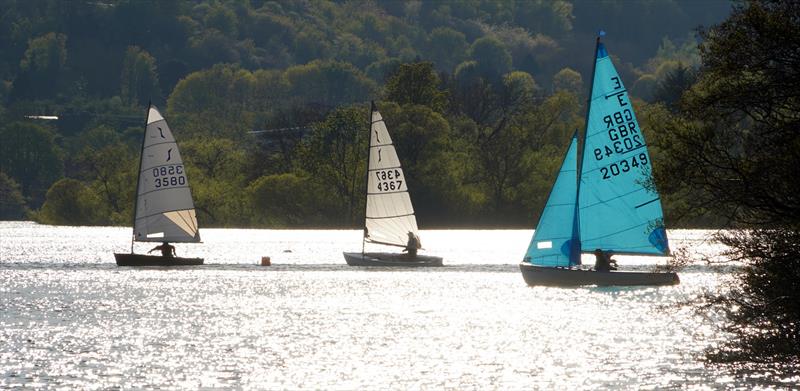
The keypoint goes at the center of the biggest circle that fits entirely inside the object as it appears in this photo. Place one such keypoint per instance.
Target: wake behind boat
(389, 218)
(603, 203)
(164, 209)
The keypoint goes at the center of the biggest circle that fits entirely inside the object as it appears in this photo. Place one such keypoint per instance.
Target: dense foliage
(268, 100)
(735, 144)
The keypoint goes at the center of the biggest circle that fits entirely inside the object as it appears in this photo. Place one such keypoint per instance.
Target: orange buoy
(265, 261)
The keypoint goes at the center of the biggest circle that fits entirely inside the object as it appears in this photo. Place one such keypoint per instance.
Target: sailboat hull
(391, 259)
(154, 260)
(551, 276)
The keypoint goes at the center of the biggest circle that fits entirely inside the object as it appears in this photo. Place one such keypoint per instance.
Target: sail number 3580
(389, 180)
(169, 176)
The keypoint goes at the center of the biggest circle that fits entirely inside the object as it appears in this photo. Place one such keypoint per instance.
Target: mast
(366, 176)
(576, 225)
(138, 176)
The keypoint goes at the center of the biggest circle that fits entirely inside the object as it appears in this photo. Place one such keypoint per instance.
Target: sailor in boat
(603, 261)
(413, 245)
(167, 250)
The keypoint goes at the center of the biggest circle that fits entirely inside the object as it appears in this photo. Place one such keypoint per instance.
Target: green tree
(446, 48)
(329, 83)
(736, 154)
(568, 79)
(41, 67)
(70, 202)
(215, 102)
(416, 84)
(492, 57)
(12, 203)
(29, 154)
(139, 80)
(334, 156)
(289, 200)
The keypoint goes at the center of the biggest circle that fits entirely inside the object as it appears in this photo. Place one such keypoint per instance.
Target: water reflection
(70, 318)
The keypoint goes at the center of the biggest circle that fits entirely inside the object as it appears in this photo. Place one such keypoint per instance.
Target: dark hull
(391, 259)
(551, 276)
(154, 260)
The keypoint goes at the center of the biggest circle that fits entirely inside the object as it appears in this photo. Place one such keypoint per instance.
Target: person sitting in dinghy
(413, 245)
(167, 250)
(603, 261)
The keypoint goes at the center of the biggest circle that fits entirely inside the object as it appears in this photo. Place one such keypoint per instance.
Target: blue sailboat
(602, 203)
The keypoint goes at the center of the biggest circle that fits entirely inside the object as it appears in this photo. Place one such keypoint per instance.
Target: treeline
(269, 101)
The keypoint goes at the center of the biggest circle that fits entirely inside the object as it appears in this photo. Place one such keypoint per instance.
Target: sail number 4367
(389, 180)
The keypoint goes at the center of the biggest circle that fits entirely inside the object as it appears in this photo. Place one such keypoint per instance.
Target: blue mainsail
(619, 210)
(555, 241)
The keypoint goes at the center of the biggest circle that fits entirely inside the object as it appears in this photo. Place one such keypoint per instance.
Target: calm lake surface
(70, 318)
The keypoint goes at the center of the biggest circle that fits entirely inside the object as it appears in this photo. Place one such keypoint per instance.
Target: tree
(329, 83)
(139, 80)
(416, 84)
(334, 156)
(41, 67)
(12, 203)
(736, 154)
(568, 79)
(30, 155)
(491, 56)
(70, 202)
(446, 48)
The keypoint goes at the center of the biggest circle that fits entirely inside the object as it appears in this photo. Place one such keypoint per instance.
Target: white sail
(164, 205)
(390, 216)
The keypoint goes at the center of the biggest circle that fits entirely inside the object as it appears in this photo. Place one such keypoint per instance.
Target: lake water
(70, 318)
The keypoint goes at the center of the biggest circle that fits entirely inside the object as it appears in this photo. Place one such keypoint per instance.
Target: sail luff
(139, 176)
(575, 256)
(364, 232)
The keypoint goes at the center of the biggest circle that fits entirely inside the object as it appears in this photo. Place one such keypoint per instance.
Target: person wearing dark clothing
(413, 245)
(603, 261)
(167, 250)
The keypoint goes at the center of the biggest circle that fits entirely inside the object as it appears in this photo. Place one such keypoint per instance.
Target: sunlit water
(70, 318)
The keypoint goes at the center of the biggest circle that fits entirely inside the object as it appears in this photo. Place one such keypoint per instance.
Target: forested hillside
(269, 101)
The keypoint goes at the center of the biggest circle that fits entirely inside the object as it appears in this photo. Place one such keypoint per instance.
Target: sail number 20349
(166, 176)
(624, 165)
(389, 180)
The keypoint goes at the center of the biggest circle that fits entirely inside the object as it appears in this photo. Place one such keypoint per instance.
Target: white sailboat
(390, 218)
(164, 209)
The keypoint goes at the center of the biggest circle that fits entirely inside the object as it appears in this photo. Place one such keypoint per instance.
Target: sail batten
(389, 213)
(164, 206)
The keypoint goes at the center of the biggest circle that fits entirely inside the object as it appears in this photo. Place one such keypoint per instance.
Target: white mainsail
(164, 205)
(390, 216)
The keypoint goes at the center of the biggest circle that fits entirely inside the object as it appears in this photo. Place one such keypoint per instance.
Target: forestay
(555, 241)
(164, 206)
(619, 208)
(390, 216)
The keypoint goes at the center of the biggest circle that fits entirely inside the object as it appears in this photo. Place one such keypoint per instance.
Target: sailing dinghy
(390, 216)
(602, 201)
(164, 209)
